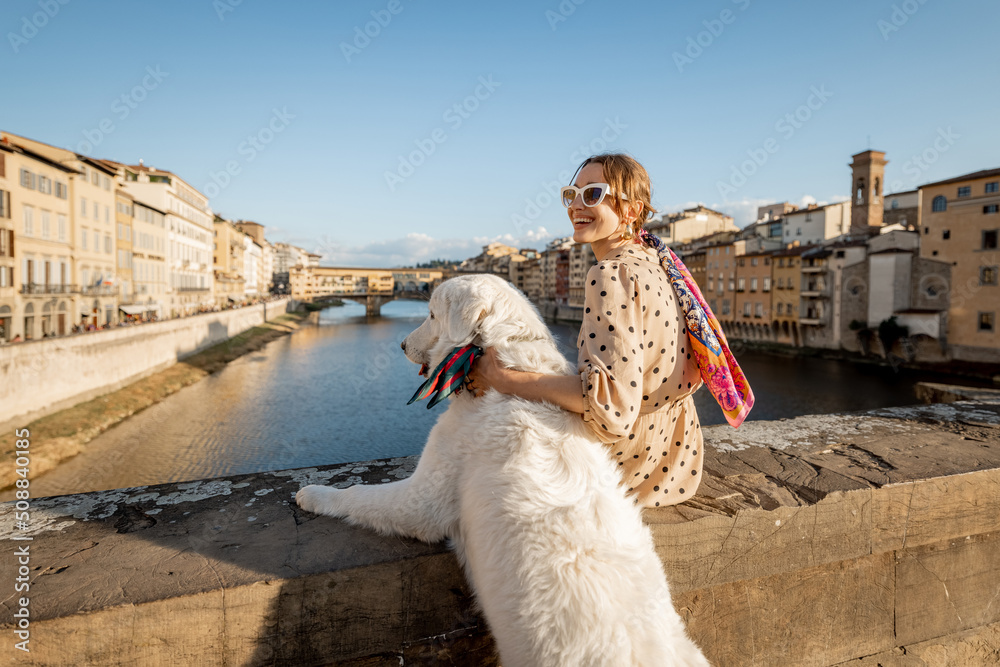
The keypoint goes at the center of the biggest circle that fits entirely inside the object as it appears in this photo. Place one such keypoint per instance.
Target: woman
(639, 366)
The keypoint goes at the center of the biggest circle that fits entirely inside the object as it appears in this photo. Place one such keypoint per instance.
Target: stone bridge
(855, 540)
(373, 301)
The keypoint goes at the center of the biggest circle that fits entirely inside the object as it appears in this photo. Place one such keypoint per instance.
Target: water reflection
(337, 392)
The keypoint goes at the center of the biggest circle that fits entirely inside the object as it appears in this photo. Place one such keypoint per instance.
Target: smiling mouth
(581, 222)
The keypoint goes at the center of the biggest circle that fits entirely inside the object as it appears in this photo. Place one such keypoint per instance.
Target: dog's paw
(317, 499)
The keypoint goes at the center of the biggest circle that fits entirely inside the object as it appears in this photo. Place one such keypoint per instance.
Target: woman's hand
(486, 373)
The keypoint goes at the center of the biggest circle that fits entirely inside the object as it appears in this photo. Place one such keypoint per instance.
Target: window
(945, 234)
(758, 309)
(62, 192)
(107, 244)
(742, 261)
(940, 203)
(46, 226)
(29, 221)
(894, 205)
(725, 307)
(94, 178)
(781, 263)
(987, 321)
(767, 284)
(990, 239)
(753, 284)
(106, 183)
(27, 179)
(83, 238)
(83, 207)
(965, 191)
(987, 275)
(107, 214)
(780, 307)
(97, 212)
(4, 204)
(61, 227)
(753, 261)
(840, 254)
(991, 208)
(45, 185)
(798, 231)
(742, 285)
(993, 187)
(746, 309)
(97, 241)
(781, 283)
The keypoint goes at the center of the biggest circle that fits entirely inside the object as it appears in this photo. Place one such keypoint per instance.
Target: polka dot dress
(639, 377)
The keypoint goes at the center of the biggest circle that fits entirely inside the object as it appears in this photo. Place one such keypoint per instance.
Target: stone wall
(44, 376)
(825, 540)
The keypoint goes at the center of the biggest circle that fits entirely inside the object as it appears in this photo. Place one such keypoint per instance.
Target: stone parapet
(820, 540)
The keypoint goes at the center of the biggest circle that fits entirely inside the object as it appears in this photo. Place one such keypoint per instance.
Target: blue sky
(360, 153)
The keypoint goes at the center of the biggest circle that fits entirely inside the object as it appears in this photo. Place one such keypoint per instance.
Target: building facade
(189, 221)
(149, 261)
(960, 220)
(37, 295)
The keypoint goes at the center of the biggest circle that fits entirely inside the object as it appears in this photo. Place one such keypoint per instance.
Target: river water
(337, 392)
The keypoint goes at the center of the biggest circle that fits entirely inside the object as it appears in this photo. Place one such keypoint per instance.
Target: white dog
(561, 563)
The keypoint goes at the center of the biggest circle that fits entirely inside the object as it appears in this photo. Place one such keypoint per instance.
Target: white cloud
(743, 211)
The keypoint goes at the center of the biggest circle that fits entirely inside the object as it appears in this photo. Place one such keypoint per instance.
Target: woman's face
(595, 223)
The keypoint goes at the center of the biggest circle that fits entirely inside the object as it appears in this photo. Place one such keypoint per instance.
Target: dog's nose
(402, 346)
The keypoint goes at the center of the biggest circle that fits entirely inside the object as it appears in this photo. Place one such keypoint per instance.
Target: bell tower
(867, 179)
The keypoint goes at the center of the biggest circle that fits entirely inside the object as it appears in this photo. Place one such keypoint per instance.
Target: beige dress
(639, 377)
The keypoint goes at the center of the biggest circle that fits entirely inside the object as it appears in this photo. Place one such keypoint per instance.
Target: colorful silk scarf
(447, 378)
(716, 362)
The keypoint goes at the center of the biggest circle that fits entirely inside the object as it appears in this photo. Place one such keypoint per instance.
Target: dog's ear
(467, 306)
(486, 310)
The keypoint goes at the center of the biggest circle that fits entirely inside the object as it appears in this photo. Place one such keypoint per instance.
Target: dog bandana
(716, 362)
(447, 378)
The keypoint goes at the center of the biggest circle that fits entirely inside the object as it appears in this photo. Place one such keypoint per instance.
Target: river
(337, 392)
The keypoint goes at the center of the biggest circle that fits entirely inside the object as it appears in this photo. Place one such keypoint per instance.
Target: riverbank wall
(45, 376)
(986, 370)
(851, 540)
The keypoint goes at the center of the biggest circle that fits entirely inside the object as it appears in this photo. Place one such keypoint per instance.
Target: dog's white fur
(561, 563)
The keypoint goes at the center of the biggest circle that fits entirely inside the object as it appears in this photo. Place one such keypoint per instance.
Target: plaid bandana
(447, 378)
(716, 362)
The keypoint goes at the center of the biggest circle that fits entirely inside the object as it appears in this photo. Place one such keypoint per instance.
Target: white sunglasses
(591, 195)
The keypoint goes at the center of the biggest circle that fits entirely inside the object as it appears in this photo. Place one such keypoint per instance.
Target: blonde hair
(626, 177)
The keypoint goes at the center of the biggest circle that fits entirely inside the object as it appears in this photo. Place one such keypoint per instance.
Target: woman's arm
(562, 390)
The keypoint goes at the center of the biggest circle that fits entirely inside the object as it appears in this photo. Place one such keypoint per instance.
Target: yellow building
(7, 289)
(786, 278)
(92, 198)
(961, 225)
(228, 263)
(38, 300)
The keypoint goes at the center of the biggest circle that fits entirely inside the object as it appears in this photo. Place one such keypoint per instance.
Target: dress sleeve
(611, 350)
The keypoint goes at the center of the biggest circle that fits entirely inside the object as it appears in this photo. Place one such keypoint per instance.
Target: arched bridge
(373, 301)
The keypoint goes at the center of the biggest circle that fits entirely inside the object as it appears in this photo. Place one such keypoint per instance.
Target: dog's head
(481, 309)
